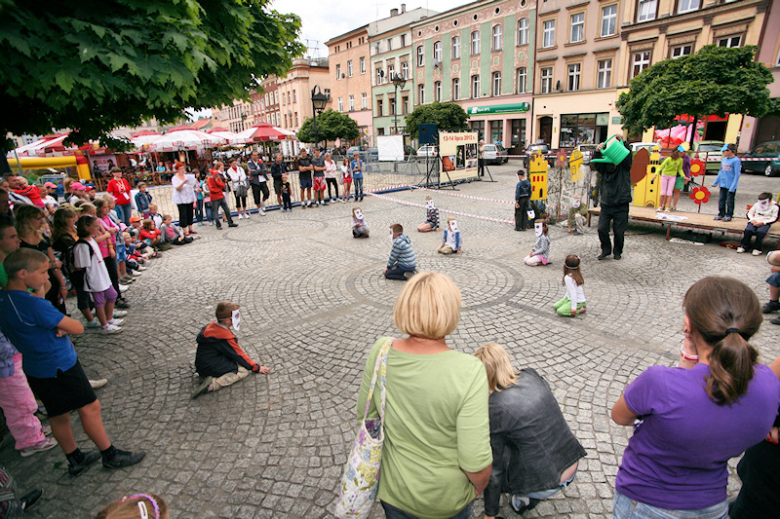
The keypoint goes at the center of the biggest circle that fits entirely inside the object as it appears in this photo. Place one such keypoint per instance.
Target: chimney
(403, 8)
(393, 12)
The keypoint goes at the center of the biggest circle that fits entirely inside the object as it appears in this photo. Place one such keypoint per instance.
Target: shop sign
(500, 109)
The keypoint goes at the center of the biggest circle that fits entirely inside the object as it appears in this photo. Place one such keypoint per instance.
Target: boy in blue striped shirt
(402, 259)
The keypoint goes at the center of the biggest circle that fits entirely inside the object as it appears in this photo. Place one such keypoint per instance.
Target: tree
(92, 66)
(331, 125)
(715, 80)
(447, 117)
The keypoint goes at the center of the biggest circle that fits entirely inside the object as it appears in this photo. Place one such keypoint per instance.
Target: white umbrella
(140, 139)
(183, 138)
(225, 136)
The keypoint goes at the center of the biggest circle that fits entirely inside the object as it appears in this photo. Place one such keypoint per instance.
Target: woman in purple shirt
(691, 419)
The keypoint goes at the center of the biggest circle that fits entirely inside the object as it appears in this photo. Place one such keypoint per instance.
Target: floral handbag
(360, 482)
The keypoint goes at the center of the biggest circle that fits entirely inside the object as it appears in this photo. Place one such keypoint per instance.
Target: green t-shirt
(436, 426)
(672, 168)
(3, 276)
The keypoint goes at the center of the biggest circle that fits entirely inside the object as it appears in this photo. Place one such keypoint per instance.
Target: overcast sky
(324, 19)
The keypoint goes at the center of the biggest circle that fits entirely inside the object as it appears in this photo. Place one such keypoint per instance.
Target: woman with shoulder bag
(239, 181)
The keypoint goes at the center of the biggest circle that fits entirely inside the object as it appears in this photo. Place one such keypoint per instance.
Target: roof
(348, 33)
(200, 123)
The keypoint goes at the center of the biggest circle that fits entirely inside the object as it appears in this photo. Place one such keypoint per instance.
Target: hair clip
(142, 506)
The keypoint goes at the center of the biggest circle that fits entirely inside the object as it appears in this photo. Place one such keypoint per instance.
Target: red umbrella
(261, 132)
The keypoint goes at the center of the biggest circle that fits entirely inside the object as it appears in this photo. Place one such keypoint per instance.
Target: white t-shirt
(574, 292)
(96, 278)
(187, 193)
(451, 239)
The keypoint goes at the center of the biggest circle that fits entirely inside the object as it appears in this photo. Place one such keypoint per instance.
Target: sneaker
(141, 268)
(575, 233)
(126, 279)
(726, 218)
(119, 313)
(123, 288)
(241, 217)
(97, 384)
(219, 227)
(43, 445)
(756, 252)
(771, 306)
(246, 215)
(602, 256)
(303, 205)
(110, 329)
(322, 203)
(211, 223)
(740, 250)
(343, 201)
(89, 459)
(124, 459)
(718, 218)
(203, 387)
(519, 504)
(262, 212)
(46, 430)
(283, 210)
(776, 320)
(136, 273)
(668, 210)
(117, 322)
(94, 323)
(28, 500)
(121, 303)
(232, 225)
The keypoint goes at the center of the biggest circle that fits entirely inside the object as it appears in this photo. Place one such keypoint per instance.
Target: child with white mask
(452, 242)
(359, 227)
(761, 216)
(541, 252)
(431, 217)
(577, 214)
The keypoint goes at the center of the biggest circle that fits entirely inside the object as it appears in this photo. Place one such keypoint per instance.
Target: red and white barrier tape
(404, 202)
(467, 196)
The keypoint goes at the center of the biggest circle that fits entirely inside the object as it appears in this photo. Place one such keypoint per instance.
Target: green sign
(617, 120)
(500, 109)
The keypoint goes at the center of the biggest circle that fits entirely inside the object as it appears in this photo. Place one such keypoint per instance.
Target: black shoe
(776, 320)
(219, 227)
(232, 225)
(121, 303)
(602, 256)
(124, 459)
(771, 306)
(89, 459)
(522, 509)
(577, 233)
(617, 256)
(29, 499)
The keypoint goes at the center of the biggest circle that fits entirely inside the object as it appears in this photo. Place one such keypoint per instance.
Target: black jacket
(615, 186)
(219, 353)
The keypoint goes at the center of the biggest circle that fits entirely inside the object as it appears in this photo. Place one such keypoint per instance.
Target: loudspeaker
(427, 133)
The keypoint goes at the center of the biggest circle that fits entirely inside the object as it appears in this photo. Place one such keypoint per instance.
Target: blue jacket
(457, 238)
(142, 201)
(522, 189)
(402, 254)
(728, 176)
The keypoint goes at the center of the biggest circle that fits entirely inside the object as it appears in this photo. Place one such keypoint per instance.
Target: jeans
(209, 214)
(726, 202)
(215, 205)
(199, 211)
(627, 508)
(392, 512)
(124, 212)
(618, 215)
(398, 272)
(358, 187)
(759, 232)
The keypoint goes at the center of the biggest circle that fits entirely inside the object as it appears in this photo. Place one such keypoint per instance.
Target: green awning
(500, 109)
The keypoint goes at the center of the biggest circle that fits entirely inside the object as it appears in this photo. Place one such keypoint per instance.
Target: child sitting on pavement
(451, 242)
(40, 333)
(540, 255)
(402, 261)
(155, 216)
(149, 234)
(431, 217)
(359, 227)
(219, 360)
(172, 233)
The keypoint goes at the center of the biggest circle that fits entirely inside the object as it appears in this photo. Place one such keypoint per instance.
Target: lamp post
(398, 82)
(318, 102)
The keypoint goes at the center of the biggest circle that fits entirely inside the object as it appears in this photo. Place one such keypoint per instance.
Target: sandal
(193, 232)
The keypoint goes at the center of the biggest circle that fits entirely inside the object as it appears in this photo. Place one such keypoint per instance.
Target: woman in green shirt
(437, 456)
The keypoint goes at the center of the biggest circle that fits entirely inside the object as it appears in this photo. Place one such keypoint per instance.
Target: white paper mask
(236, 319)
(764, 204)
(531, 214)
(454, 225)
(576, 202)
(538, 229)
(391, 236)
(359, 214)
(429, 204)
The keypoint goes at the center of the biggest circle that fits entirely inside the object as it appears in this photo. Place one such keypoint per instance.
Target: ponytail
(731, 368)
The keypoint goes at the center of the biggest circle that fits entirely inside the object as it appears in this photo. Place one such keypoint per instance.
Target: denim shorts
(627, 508)
(774, 279)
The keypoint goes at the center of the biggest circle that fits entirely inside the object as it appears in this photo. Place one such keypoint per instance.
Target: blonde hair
(129, 508)
(428, 306)
(498, 365)
(225, 309)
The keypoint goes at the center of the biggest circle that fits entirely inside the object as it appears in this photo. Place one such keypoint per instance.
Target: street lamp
(398, 82)
(318, 102)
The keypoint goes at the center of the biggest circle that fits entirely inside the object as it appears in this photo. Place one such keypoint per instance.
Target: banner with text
(459, 153)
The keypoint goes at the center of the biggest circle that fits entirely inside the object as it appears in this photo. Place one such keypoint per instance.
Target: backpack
(79, 276)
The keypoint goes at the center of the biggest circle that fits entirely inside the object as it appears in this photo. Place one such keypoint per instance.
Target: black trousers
(618, 215)
(481, 170)
(335, 184)
(257, 190)
(113, 274)
(186, 212)
(521, 213)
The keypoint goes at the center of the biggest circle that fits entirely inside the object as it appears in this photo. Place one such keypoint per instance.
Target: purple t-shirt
(677, 457)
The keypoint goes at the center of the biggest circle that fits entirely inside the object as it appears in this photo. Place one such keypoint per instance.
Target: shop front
(579, 129)
(505, 124)
(560, 122)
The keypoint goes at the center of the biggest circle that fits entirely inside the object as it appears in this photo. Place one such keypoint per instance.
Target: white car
(495, 154)
(636, 146)
(427, 151)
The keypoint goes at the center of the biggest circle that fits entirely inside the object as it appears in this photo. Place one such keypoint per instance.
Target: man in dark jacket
(219, 360)
(615, 190)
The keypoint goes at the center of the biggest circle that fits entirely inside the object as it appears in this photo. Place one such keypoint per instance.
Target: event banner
(459, 152)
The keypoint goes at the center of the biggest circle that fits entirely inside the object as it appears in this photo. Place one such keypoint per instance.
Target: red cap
(134, 219)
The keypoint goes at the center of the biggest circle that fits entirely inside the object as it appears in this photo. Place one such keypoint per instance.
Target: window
(609, 21)
(349, 68)
(421, 93)
(437, 51)
(731, 41)
(283, 99)
(498, 33)
(362, 65)
(276, 97)
(574, 76)
(420, 56)
(437, 91)
(475, 43)
(403, 40)
(338, 71)
(641, 62)
(389, 44)
(405, 105)
(686, 6)
(390, 72)
(522, 77)
(379, 108)
(392, 106)
(475, 87)
(341, 105)
(456, 89)
(379, 75)
(496, 131)
(351, 102)
(295, 96)
(546, 79)
(604, 79)
(548, 34)
(455, 47)
(496, 83)
(522, 31)
(518, 132)
(682, 50)
(577, 33)
(405, 70)
(363, 101)
(647, 9)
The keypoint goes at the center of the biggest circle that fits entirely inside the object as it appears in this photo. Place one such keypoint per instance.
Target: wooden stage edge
(692, 221)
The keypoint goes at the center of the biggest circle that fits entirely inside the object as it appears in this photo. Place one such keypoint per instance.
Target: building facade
(295, 90)
(236, 117)
(270, 107)
(480, 56)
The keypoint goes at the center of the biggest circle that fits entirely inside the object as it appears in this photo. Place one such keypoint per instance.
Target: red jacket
(216, 185)
(120, 190)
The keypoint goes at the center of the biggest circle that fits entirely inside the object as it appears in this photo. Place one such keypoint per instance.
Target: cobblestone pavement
(313, 301)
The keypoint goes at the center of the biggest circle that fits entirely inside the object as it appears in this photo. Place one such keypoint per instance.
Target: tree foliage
(448, 117)
(715, 80)
(331, 125)
(93, 65)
